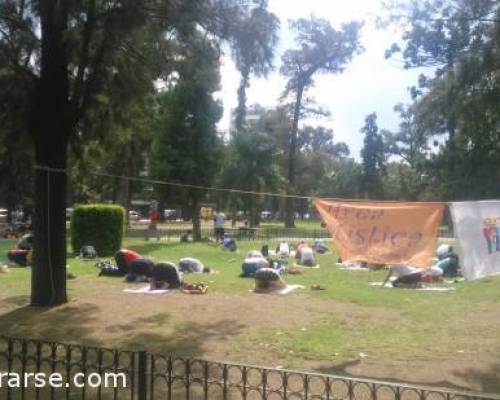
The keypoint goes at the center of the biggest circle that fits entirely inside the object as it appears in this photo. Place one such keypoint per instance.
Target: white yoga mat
(145, 290)
(388, 285)
(290, 289)
(305, 267)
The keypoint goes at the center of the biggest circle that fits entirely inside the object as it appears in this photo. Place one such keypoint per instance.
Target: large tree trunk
(289, 202)
(51, 127)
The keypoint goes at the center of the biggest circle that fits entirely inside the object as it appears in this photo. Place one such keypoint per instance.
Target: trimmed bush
(98, 225)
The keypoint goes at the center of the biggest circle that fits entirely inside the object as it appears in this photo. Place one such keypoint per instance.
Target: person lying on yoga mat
(411, 277)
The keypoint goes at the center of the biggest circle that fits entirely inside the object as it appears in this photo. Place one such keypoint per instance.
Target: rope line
(199, 187)
(227, 190)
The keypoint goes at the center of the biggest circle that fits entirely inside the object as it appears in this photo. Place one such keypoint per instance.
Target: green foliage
(98, 225)
(373, 159)
(320, 49)
(461, 39)
(253, 45)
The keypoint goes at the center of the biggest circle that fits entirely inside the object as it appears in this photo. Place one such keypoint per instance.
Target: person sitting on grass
(320, 247)
(305, 255)
(268, 280)
(165, 275)
(448, 261)
(283, 250)
(22, 254)
(228, 243)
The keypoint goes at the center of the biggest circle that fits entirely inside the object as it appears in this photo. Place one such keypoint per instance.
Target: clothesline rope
(227, 190)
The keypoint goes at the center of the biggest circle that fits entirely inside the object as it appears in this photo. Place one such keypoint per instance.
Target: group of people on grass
(258, 264)
(268, 269)
(161, 275)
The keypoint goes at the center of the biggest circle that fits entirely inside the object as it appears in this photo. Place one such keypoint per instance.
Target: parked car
(3, 215)
(169, 214)
(266, 215)
(134, 215)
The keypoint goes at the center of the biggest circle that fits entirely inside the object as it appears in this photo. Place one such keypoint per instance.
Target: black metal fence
(260, 234)
(147, 376)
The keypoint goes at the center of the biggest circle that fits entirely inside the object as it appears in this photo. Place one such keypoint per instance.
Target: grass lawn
(449, 339)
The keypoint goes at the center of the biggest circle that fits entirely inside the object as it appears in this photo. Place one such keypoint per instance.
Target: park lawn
(446, 338)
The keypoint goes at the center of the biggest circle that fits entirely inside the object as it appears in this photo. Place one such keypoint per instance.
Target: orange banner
(383, 233)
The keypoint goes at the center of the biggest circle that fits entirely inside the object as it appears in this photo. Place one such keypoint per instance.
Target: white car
(134, 215)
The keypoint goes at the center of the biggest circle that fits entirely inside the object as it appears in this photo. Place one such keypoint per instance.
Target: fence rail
(259, 234)
(153, 376)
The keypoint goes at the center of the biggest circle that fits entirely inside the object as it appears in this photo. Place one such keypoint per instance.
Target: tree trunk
(289, 202)
(253, 211)
(123, 193)
(196, 219)
(241, 111)
(51, 128)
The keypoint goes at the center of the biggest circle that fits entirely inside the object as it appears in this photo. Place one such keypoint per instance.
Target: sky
(370, 83)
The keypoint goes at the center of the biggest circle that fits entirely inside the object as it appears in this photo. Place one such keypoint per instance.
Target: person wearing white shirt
(219, 220)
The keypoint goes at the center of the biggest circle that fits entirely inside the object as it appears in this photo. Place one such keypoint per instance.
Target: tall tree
(253, 46)
(445, 34)
(72, 51)
(321, 49)
(373, 157)
(251, 165)
(186, 147)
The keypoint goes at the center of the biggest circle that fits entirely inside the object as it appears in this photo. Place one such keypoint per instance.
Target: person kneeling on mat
(140, 270)
(123, 258)
(448, 261)
(189, 265)
(306, 256)
(165, 276)
(268, 280)
(253, 263)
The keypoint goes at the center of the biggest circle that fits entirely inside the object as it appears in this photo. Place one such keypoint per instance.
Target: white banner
(477, 228)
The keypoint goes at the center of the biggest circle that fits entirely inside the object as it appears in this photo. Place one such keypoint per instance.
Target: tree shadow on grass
(186, 339)
(64, 323)
(488, 381)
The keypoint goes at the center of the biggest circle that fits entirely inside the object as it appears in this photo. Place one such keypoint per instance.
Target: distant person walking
(219, 220)
(154, 218)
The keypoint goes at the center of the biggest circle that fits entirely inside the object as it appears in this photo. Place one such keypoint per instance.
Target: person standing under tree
(219, 220)
(154, 218)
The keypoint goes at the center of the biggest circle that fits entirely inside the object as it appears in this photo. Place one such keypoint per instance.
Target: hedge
(98, 225)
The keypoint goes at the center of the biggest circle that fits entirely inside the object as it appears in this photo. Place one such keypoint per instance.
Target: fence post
(142, 381)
